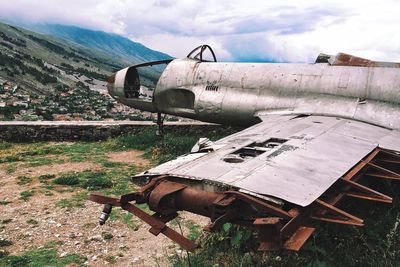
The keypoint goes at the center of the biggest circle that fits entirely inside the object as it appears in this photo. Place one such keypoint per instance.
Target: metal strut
(160, 124)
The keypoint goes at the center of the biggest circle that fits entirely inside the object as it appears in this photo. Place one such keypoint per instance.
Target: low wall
(19, 131)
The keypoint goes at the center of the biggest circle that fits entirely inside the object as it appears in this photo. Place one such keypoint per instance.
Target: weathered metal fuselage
(235, 93)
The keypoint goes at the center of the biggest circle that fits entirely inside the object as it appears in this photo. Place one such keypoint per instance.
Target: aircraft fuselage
(236, 93)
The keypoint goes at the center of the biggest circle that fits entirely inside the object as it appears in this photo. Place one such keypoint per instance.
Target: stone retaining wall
(90, 130)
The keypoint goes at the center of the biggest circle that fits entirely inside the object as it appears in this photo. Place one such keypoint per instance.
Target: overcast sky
(285, 30)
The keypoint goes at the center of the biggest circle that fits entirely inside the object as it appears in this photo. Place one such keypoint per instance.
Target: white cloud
(283, 30)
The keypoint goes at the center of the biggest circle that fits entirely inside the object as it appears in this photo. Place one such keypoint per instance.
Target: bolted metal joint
(105, 214)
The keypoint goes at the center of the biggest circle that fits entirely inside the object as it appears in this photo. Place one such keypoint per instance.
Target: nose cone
(111, 85)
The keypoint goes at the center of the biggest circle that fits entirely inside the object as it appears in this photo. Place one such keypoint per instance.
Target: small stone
(51, 221)
(135, 259)
(63, 254)
(57, 235)
(94, 257)
(58, 225)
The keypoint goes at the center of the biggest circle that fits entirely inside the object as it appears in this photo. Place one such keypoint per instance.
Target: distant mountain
(113, 44)
(48, 77)
(68, 54)
(38, 62)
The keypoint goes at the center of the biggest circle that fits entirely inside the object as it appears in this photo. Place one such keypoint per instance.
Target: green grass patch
(5, 221)
(32, 221)
(111, 259)
(5, 145)
(5, 243)
(168, 147)
(195, 230)
(46, 177)
(87, 179)
(11, 168)
(3, 253)
(107, 236)
(74, 201)
(124, 217)
(22, 180)
(4, 202)
(45, 256)
(67, 180)
(25, 195)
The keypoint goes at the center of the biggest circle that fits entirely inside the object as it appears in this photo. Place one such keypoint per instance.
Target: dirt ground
(37, 221)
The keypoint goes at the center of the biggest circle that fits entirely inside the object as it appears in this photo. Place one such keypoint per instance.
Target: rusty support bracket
(160, 227)
(157, 226)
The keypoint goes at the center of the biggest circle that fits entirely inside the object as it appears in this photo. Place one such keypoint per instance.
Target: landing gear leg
(160, 124)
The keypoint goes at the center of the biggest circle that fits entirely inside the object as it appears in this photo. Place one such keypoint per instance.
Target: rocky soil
(40, 219)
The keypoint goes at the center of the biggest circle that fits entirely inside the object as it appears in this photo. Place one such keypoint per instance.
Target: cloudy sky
(285, 30)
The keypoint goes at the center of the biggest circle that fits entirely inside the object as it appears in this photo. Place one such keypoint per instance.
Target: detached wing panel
(295, 159)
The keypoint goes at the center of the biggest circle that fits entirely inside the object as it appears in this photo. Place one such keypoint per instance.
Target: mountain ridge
(111, 43)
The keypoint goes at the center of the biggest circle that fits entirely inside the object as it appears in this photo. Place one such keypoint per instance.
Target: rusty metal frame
(278, 227)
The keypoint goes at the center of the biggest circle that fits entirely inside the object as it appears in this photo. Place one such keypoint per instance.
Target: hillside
(46, 77)
(113, 44)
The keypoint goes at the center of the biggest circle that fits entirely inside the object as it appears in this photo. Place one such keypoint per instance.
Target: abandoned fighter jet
(319, 135)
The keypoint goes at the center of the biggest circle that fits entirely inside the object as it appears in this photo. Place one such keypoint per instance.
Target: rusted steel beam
(356, 169)
(268, 232)
(380, 168)
(161, 227)
(343, 218)
(297, 240)
(99, 198)
(298, 220)
(383, 176)
(390, 153)
(369, 194)
(157, 226)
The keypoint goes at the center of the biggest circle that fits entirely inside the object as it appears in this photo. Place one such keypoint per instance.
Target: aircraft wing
(278, 176)
(290, 158)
